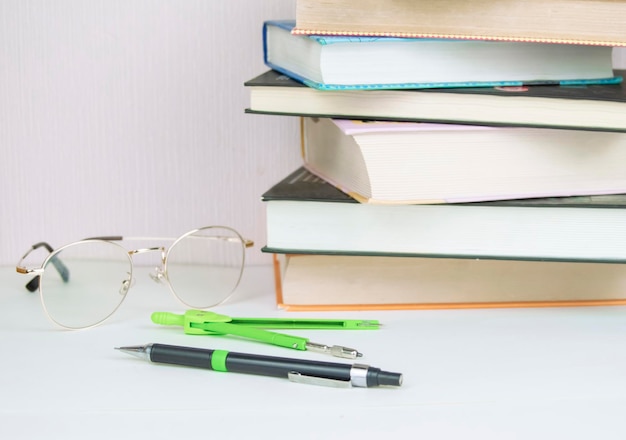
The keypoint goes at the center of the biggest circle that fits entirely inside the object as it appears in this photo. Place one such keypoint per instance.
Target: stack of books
(476, 161)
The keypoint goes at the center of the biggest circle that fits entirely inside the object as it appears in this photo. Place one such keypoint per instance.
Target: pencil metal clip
(297, 377)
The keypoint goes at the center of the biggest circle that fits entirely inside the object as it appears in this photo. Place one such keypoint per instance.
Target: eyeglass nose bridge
(159, 273)
(150, 249)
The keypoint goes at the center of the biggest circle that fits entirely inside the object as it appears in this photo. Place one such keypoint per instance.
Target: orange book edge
(422, 306)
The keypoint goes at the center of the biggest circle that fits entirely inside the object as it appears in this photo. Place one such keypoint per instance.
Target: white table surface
(549, 373)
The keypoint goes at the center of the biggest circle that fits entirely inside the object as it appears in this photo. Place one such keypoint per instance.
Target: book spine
(265, 25)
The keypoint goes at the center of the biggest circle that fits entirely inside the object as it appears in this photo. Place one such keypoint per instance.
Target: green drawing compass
(200, 322)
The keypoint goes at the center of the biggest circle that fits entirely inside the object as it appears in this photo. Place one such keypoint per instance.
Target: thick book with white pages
(306, 282)
(420, 163)
(590, 107)
(307, 215)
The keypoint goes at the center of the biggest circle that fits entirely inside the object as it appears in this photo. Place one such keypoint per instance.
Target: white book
(417, 163)
(305, 214)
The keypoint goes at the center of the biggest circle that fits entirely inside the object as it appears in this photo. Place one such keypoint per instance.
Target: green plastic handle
(306, 323)
(204, 316)
(190, 317)
(280, 339)
(200, 322)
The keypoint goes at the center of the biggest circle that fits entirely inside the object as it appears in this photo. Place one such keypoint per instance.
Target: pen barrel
(356, 374)
(281, 367)
(221, 360)
(246, 363)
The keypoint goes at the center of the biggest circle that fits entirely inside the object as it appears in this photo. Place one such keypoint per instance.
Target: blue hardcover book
(339, 63)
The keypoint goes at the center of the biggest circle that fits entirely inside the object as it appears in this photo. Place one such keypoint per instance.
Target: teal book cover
(376, 63)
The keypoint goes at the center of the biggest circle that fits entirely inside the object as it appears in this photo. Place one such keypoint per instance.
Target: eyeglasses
(83, 283)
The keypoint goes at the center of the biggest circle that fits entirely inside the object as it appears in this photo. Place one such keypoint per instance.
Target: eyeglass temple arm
(107, 238)
(246, 242)
(33, 284)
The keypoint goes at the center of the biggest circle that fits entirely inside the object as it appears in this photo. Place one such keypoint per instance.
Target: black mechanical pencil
(296, 370)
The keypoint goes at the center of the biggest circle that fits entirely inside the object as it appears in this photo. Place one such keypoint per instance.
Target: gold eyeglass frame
(160, 274)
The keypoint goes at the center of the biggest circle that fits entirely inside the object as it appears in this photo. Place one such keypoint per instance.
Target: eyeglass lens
(204, 266)
(99, 277)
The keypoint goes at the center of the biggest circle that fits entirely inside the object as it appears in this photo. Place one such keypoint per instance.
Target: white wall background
(126, 117)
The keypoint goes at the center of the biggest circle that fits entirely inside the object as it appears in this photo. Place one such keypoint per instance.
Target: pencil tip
(140, 351)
